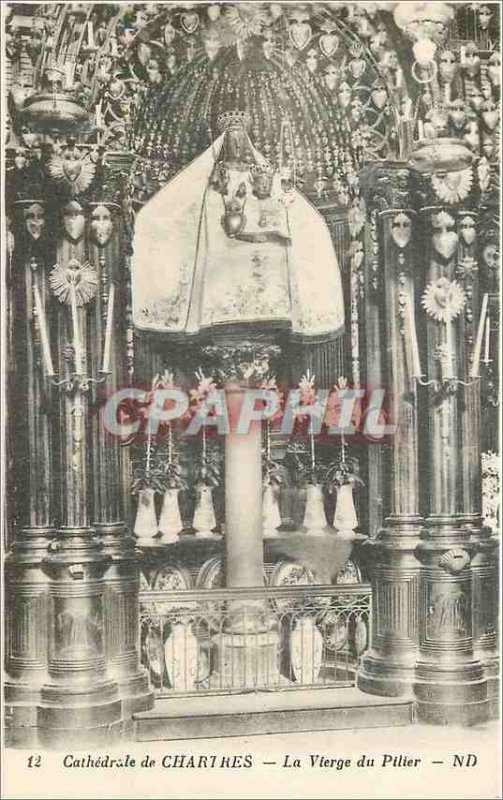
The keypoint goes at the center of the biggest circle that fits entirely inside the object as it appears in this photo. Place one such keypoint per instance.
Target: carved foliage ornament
(401, 230)
(443, 299)
(454, 561)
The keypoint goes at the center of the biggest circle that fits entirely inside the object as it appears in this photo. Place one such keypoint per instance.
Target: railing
(224, 640)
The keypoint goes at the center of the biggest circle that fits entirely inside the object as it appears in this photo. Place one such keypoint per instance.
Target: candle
(98, 115)
(474, 372)
(420, 128)
(416, 363)
(76, 331)
(447, 93)
(68, 75)
(488, 336)
(44, 339)
(90, 37)
(447, 371)
(399, 76)
(108, 330)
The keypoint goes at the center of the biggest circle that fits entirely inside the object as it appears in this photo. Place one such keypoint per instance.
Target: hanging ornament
(444, 239)
(35, 220)
(74, 276)
(328, 43)
(189, 21)
(74, 221)
(453, 186)
(379, 96)
(401, 230)
(72, 168)
(443, 299)
(300, 30)
(467, 229)
(213, 12)
(101, 226)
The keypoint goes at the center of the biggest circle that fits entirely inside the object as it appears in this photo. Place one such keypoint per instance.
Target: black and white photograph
(251, 399)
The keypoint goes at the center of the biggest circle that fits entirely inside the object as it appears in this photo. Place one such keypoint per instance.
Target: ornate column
(79, 702)
(450, 685)
(108, 241)
(485, 563)
(26, 582)
(388, 667)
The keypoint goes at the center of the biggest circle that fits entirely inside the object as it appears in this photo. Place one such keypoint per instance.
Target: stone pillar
(450, 685)
(243, 499)
(26, 582)
(388, 667)
(108, 240)
(79, 702)
(247, 648)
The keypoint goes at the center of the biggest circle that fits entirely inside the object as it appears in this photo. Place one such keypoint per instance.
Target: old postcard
(251, 395)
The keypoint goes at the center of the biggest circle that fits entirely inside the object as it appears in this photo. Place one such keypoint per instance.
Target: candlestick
(447, 371)
(475, 370)
(486, 344)
(416, 363)
(44, 339)
(149, 449)
(108, 330)
(76, 331)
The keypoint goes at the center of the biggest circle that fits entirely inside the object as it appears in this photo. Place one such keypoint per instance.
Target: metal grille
(226, 640)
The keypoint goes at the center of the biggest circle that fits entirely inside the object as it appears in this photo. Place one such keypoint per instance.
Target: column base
(135, 694)
(387, 678)
(491, 664)
(451, 694)
(75, 716)
(246, 660)
(20, 705)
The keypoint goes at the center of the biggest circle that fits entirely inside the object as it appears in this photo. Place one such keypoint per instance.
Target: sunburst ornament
(83, 277)
(443, 299)
(453, 186)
